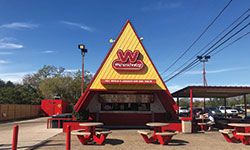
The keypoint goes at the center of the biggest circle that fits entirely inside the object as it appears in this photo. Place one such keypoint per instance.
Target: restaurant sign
(128, 61)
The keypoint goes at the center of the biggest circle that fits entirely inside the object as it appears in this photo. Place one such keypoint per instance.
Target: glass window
(125, 107)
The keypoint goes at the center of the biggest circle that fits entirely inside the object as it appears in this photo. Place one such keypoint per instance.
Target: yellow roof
(127, 40)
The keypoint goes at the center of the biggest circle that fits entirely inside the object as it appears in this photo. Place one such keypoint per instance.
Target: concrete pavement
(129, 139)
(31, 132)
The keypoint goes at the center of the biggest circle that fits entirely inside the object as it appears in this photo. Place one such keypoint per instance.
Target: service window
(125, 106)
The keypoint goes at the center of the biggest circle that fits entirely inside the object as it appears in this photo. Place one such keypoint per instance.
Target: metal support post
(68, 137)
(15, 137)
(245, 102)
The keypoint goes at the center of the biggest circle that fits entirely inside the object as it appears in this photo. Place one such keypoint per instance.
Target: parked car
(242, 106)
(229, 110)
(215, 111)
(183, 110)
(240, 111)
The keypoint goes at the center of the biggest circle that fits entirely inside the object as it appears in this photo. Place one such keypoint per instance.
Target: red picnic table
(204, 123)
(159, 134)
(241, 132)
(90, 134)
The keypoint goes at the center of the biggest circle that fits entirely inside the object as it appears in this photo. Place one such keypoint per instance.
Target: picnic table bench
(244, 137)
(241, 132)
(228, 134)
(205, 125)
(97, 134)
(162, 137)
(158, 134)
(82, 135)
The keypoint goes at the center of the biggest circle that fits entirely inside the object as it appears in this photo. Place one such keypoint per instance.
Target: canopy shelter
(213, 92)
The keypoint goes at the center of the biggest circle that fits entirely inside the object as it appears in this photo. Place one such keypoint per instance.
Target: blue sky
(37, 33)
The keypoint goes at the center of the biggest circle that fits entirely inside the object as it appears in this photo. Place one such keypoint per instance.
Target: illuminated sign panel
(128, 61)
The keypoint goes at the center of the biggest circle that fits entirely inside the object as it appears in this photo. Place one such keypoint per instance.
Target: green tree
(215, 102)
(42, 74)
(67, 86)
(197, 103)
(19, 94)
(48, 82)
(184, 102)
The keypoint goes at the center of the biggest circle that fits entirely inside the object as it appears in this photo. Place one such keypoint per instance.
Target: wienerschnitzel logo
(128, 61)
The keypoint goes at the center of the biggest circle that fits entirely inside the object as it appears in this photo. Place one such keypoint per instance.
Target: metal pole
(245, 102)
(204, 82)
(204, 59)
(191, 104)
(68, 137)
(15, 137)
(225, 103)
(82, 73)
(178, 105)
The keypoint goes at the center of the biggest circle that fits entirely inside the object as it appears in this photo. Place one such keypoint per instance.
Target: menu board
(126, 98)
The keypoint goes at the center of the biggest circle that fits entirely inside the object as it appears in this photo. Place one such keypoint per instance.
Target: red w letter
(128, 55)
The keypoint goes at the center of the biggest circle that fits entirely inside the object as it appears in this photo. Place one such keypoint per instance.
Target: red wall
(53, 107)
(132, 119)
(128, 119)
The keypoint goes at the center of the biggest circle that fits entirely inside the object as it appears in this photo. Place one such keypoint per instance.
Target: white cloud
(3, 62)
(18, 76)
(72, 70)
(161, 6)
(47, 52)
(6, 53)
(75, 70)
(10, 46)
(7, 39)
(174, 88)
(6, 43)
(216, 71)
(14, 77)
(19, 25)
(83, 27)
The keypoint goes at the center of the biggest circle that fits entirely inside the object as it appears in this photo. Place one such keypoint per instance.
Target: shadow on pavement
(174, 142)
(5, 145)
(113, 141)
(44, 144)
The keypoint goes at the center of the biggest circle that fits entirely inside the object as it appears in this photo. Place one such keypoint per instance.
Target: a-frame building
(127, 88)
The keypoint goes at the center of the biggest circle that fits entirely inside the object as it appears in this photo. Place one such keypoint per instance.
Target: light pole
(83, 52)
(204, 59)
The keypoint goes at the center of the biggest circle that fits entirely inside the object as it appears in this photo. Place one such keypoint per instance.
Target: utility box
(54, 107)
(186, 125)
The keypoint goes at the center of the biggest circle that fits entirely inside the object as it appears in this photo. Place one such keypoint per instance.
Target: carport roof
(212, 91)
